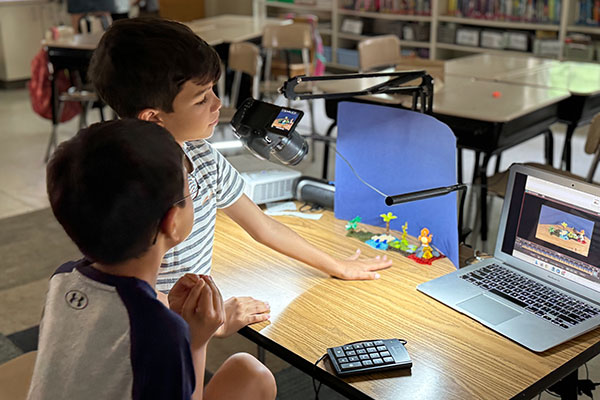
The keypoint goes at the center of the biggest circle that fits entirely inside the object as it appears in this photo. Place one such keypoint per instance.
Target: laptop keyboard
(560, 309)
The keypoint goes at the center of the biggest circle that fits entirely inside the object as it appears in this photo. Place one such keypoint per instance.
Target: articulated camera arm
(393, 85)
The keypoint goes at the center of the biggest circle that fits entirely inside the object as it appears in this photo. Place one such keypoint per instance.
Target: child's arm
(239, 311)
(277, 236)
(204, 313)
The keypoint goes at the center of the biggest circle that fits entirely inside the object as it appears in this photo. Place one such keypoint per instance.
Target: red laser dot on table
(496, 94)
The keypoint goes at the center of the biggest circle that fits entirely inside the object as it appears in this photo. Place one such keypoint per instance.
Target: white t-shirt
(220, 185)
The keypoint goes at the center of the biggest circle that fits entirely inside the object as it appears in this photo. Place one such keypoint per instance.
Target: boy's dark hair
(110, 192)
(143, 63)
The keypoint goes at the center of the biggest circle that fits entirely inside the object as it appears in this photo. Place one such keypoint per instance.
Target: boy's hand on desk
(203, 311)
(354, 269)
(242, 311)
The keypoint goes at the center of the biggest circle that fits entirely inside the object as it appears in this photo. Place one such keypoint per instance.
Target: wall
(216, 7)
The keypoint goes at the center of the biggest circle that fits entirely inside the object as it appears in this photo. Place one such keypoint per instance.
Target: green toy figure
(387, 218)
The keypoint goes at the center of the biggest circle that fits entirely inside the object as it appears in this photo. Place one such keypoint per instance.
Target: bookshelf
(541, 29)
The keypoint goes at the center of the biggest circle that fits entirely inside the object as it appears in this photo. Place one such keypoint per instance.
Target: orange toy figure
(425, 251)
(425, 237)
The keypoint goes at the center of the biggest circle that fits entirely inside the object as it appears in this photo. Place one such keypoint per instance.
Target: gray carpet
(32, 246)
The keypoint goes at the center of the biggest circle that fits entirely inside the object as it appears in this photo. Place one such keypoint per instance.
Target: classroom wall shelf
(435, 33)
(385, 15)
(498, 23)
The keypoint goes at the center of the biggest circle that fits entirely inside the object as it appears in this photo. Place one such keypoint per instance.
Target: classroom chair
(284, 39)
(378, 52)
(243, 58)
(15, 376)
(497, 182)
(75, 64)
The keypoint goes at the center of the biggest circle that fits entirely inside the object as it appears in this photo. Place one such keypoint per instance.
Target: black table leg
(549, 147)
(566, 153)
(566, 387)
(483, 193)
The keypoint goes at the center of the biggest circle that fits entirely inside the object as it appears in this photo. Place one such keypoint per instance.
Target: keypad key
(361, 351)
(342, 360)
(351, 353)
(381, 348)
(378, 342)
(377, 361)
(351, 365)
(369, 344)
(348, 347)
(374, 355)
(338, 352)
(364, 357)
(372, 350)
(358, 346)
(367, 363)
(353, 358)
(388, 360)
(385, 354)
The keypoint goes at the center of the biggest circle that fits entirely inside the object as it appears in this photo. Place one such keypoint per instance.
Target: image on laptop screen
(556, 228)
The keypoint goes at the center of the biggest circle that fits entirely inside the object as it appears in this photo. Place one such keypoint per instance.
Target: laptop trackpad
(488, 309)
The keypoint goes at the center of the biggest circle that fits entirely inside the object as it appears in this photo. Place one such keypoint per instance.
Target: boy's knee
(258, 375)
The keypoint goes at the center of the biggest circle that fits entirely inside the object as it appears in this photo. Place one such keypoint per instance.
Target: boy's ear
(151, 115)
(169, 226)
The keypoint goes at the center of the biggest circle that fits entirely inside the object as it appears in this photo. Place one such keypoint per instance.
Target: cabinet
(431, 28)
(22, 27)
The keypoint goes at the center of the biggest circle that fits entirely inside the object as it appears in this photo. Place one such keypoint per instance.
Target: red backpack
(40, 89)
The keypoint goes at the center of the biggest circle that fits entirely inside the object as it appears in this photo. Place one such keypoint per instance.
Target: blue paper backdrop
(397, 151)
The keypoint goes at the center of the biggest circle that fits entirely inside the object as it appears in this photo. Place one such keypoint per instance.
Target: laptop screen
(556, 228)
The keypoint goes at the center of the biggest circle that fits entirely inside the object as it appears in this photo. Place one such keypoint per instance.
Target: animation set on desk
(373, 159)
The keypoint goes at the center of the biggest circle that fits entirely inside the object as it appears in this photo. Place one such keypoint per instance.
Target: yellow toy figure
(425, 251)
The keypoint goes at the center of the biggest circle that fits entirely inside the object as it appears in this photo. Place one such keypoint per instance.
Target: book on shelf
(531, 11)
(408, 7)
(587, 12)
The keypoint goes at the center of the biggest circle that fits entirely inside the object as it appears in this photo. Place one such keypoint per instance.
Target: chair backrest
(592, 146)
(244, 57)
(285, 37)
(294, 36)
(378, 52)
(15, 376)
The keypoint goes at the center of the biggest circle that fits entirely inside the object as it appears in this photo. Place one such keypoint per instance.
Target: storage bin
(446, 33)
(327, 53)
(416, 31)
(546, 47)
(517, 41)
(579, 51)
(492, 39)
(467, 36)
(347, 57)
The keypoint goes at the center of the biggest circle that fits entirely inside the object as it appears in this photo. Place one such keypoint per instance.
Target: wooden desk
(453, 356)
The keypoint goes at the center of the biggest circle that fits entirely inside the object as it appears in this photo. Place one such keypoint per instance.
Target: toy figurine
(563, 233)
(425, 251)
(581, 236)
(387, 218)
(353, 223)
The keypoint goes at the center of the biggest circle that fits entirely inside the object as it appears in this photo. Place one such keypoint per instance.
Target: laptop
(542, 287)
